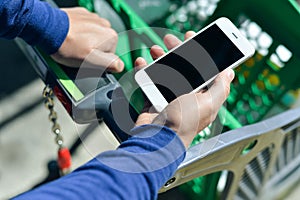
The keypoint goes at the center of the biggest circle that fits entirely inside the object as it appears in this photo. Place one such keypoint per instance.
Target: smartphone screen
(193, 63)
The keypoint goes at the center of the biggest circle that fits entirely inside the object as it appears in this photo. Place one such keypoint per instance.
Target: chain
(64, 157)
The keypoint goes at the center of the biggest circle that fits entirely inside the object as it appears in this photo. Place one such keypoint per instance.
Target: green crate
(264, 84)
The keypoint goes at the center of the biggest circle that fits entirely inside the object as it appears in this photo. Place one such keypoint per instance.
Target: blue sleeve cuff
(35, 22)
(153, 149)
(158, 145)
(47, 27)
(161, 136)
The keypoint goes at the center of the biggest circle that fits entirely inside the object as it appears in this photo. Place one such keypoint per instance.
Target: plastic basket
(267, 83)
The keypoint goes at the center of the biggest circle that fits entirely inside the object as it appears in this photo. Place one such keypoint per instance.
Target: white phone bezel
(230, 30)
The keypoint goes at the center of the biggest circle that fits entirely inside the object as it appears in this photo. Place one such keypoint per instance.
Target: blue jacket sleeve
(136, 170)
(35, 22)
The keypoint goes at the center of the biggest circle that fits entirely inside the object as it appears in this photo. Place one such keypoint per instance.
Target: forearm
(35, 22)
(136, 170)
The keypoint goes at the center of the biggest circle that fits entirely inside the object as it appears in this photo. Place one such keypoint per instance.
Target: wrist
(161, 120)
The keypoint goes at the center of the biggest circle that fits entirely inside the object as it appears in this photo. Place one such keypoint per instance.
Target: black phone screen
(193, 63)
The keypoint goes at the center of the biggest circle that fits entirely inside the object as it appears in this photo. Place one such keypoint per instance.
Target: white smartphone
(195, 63)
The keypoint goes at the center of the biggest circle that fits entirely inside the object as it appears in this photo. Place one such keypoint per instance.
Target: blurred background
(266, 85)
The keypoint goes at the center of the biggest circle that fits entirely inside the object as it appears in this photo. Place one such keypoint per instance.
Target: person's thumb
(220, 89)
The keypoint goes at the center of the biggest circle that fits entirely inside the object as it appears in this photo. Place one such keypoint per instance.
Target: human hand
(90, 39)
(190, 113)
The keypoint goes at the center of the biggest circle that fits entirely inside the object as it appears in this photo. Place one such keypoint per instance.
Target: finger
(189, 34)
(156, 52)
(145, 118)
(90, 16)
(80, 10)
(140, 63)
(148, 107)
(109, 42)
(171, 41)
(103, 22)
(108, 61)
(220, 89)
(94, 18)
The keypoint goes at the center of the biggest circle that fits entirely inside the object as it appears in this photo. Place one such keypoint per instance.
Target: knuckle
(82, 9)
(112, 37)
(106, 22)
(94, 15)
(113, 34)
(108, 44)
(85, 51)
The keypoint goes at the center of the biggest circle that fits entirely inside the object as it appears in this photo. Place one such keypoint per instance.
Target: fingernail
(156, 47)
(230, 74)
(120, 65)
(141, 61)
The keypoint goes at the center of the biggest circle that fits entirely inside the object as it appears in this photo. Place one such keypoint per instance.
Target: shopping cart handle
(235, 150)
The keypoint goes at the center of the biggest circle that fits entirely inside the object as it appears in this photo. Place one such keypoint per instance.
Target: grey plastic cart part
(264, 171)
(103, 9)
